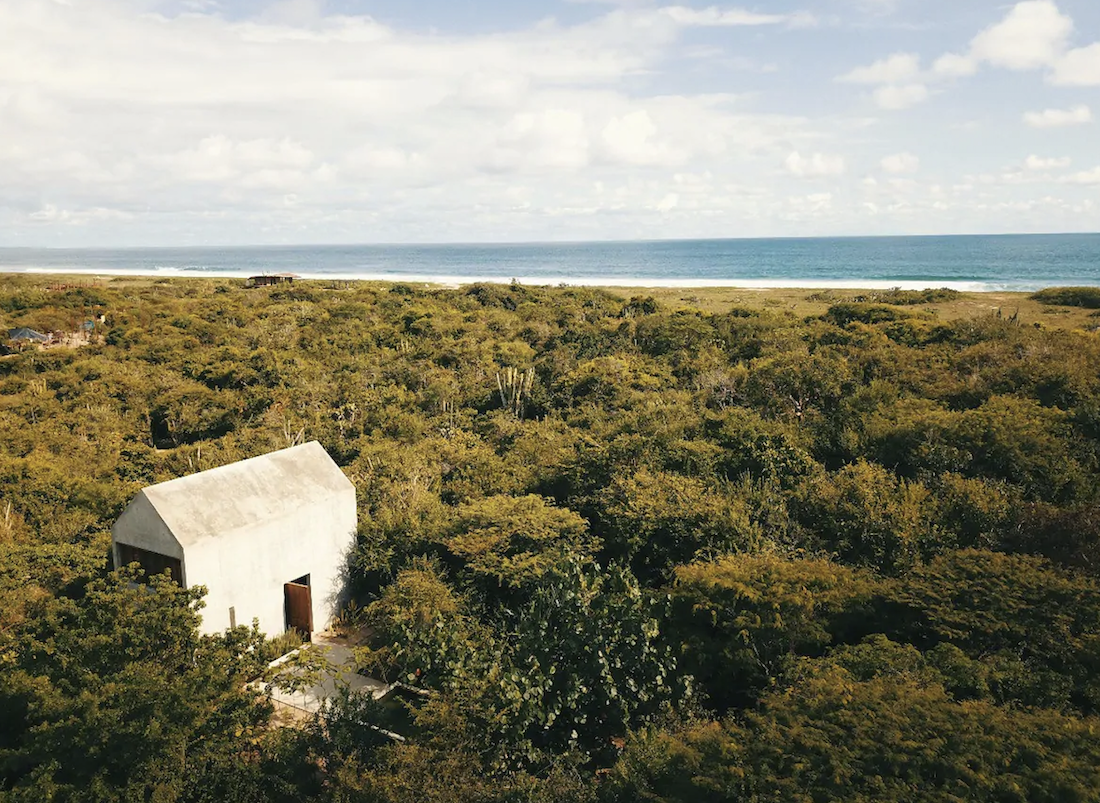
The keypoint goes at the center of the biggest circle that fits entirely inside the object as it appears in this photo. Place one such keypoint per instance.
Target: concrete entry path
(340, 673)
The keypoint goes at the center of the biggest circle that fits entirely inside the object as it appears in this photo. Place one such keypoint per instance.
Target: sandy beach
(800, 301)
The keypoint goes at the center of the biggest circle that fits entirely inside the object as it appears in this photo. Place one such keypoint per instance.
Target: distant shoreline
(623, 283)
(965, 264)
(800, 301)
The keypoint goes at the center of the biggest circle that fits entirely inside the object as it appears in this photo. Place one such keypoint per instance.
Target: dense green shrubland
(1088, 297)
(635, 553)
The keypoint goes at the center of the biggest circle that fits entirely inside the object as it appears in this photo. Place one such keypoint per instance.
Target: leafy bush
(910, 297)
(835, 738)
(1087, 297)
(743, 618)
(844, 314)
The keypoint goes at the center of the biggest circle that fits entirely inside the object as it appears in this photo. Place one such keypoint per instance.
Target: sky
(222, 122)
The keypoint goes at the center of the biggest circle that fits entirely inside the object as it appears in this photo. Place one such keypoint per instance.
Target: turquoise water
(1008, 262)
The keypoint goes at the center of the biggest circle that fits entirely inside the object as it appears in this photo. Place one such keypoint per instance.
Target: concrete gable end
(141, 526)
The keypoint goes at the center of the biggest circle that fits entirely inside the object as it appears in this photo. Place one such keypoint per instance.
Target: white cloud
(952, 65)
(1059, 118)
(296, 125)
(633, 139)
(122, 125)
(816, 165)
(549, 138)
(1032, 35)
(257, 164)
(1047, 163)
(898, 79)
(878, 7)
(669, 202)
(369, 161)
(714, 17)
(1080, 67)
(901, 97)
(899, 68)
(810, 204)
(80, 217)
(1087, 177)
(901, 163)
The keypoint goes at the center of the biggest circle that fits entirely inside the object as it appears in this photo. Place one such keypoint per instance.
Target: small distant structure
(267, 536)
(60, 287)
(268, 279)
(21, 334)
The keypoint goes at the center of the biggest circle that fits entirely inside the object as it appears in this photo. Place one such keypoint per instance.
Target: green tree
(799, 386)
(574, 669)
(1007, 607)
(867, 516)
(567, 672)
(743, 618)
(657, 520)
(109, 693)
(422, 630)
(834, 738)
(511, 542)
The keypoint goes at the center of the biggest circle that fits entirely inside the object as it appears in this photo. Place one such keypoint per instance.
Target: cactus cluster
(514, 387)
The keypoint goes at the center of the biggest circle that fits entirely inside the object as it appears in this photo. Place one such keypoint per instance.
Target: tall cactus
(514, 387)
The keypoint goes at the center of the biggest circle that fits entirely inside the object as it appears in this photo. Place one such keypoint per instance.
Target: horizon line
(521, 243)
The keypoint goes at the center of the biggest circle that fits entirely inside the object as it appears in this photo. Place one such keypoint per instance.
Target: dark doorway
(299, 606)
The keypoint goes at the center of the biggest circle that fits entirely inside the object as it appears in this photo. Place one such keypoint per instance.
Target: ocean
(973, 263)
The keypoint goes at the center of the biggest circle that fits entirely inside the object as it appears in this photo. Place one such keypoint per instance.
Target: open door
(299, 607)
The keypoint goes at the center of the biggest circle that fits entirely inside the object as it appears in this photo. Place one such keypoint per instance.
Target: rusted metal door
(299, 607)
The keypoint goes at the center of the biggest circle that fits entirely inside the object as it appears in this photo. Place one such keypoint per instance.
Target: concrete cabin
(268, 537)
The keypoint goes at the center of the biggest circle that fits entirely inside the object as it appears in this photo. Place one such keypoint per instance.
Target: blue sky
(138, 122)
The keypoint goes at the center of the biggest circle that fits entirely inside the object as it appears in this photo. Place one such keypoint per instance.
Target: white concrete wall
(246, 568)
(141, 526)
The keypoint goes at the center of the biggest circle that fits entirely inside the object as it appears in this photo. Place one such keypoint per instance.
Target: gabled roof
(249, 492)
